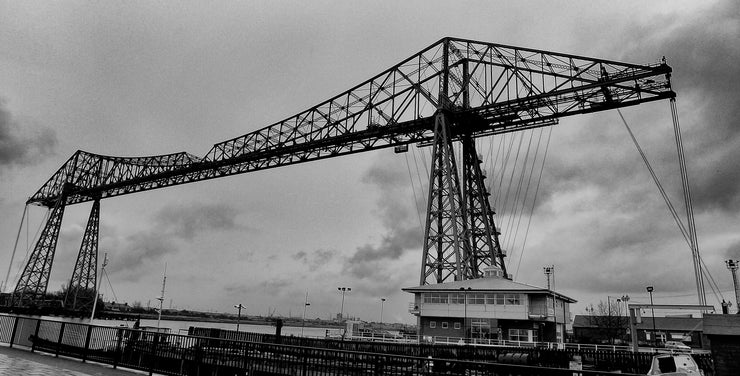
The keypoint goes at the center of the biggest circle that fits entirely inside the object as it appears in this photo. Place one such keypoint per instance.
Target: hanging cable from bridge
(15, 246)
(690, 233)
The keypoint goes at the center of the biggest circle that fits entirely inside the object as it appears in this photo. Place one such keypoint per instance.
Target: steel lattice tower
(34, 280)
(81, 290)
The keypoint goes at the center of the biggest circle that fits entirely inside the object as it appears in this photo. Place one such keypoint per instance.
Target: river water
(181, 327)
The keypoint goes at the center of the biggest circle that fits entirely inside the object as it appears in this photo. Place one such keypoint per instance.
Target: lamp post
(625, 298)
(305, 305)
(343, 290)
(650, 290)
(465, 311)
(382, 301)
(238, 314)
(733, 265)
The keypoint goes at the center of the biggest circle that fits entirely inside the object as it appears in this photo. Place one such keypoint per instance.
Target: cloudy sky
(147, 78)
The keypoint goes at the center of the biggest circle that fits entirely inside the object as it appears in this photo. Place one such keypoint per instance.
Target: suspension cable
(690, 233)
(688, 203)
(529, 182)
(15, 246)
(115, 298)
(663, 193)
(413, 189)
(534, 201)
(35, 238)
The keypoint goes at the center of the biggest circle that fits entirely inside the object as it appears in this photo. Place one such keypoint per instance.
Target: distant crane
(450, 93)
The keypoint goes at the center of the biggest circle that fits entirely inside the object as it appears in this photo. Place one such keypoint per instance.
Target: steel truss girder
(34, 280)
(495, 88)
(81, 291)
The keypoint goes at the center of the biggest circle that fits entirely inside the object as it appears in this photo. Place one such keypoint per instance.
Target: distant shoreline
(220, 320)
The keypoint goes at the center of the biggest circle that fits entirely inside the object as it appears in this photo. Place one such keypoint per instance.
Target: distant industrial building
(615, 330)
(491, 308)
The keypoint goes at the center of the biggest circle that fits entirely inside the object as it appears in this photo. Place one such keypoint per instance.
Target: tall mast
(161, 297)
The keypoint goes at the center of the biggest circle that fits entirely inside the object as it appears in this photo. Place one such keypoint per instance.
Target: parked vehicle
(672, 364)
(676, 345)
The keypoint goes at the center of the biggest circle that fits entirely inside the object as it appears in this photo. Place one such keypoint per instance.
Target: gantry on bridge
(450, 93)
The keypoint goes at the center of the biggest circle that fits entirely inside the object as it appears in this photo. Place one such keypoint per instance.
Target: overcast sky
(148, 78)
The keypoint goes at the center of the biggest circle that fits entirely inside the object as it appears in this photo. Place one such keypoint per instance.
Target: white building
(492, 308)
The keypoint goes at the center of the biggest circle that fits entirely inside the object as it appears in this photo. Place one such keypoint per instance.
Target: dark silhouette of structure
(453, 91)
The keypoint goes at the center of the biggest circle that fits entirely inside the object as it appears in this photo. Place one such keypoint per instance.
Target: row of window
(445, 325)
(457, 298)
(524, 335)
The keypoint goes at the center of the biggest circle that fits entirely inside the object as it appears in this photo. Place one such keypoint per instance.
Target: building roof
(488, 284)
(661, 323)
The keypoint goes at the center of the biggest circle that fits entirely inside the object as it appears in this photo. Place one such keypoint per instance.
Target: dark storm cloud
(19, 149)
(704, 54)
(703, 51)
(173, 224)
(396, 209)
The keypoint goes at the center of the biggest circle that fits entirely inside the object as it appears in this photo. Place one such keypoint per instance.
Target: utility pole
(652, 309)
(733, 266)
(97, 288)
(239, 308)
(305, 305)
(161, 297)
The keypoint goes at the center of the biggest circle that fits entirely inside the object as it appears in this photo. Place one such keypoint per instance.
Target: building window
(435, 298)
(432, 324)
(512, 299)
(519, 335)
(457, 325)
(444, 325)
(500, 299)
(476, 299)
(490, 298)
(457, 298)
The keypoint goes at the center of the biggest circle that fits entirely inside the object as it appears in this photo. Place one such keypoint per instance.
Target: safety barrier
(175, 354)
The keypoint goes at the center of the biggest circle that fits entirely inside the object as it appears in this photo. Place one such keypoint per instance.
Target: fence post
(87, 343)
(154, 357)
(117, 356)
(35, 335)
(59, 340)
(304, 361)
(15, 327)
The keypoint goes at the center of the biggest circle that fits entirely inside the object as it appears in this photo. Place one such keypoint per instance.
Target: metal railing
(176, 354)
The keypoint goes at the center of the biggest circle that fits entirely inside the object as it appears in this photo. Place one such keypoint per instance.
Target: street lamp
(305, 305)
(733, 265)
(465, 314)
(650, 290)
(239, 314)
(625, 298)
(343, 290)
(382, 301)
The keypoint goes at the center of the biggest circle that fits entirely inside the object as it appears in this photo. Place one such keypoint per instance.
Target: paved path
(15, 362)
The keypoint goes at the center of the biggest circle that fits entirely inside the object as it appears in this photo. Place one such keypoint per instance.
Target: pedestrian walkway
(15, 362)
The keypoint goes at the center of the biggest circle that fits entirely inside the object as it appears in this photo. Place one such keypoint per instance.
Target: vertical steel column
(445, 241)
(81, 291)
(34, 280)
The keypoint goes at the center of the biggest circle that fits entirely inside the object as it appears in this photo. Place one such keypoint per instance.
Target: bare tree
(610, 321)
